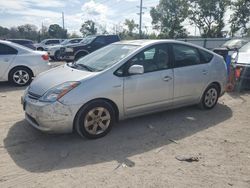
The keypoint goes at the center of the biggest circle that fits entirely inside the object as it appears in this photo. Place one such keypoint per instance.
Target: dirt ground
(139, 152)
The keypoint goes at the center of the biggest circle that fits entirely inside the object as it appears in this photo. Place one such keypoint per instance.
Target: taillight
(45, 57)
(238, 72)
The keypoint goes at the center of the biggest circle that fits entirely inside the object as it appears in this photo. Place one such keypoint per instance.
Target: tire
(40, 49)
(210, 97)
(20, 76)
(57, 55)
(95, 119)
(79, 55)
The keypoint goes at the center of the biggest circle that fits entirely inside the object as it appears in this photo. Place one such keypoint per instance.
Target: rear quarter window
(7, 50)
(206, 57)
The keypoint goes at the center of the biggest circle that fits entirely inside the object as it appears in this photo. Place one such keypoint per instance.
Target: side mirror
(136, 69)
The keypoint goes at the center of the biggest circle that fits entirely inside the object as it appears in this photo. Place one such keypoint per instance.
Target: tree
(208, 16)
(57, 31)
(4, 32)
(88, 28)
(168, 16)
(27, 31)
(131, 26)
(241, 16)
(74, 35)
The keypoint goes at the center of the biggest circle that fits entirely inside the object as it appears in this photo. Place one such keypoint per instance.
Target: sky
(105, 12)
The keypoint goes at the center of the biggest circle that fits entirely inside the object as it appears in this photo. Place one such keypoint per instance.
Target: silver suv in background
(47, 42)
(123, 80)
(54, 51)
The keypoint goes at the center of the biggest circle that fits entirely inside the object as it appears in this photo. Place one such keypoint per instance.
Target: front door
(153, 89)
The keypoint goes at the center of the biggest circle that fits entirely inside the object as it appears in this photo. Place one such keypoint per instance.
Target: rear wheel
(20, 76)
(95, 120)
(210, 97)
(57, 55)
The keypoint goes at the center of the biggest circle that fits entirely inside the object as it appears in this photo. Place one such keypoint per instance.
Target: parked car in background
(54, 51)
(229, 47)
(24, 42)
(19, 64)
(87, 45)
(241, 62)
(123, 80)
(47, 42)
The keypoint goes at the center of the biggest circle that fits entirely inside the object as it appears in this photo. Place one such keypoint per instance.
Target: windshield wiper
(86, 67)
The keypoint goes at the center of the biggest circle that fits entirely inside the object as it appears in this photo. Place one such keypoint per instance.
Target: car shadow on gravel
(6, 87)
(38, 152)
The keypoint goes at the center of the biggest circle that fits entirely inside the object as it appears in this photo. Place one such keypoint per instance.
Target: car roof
(19, 40)
(144, 42)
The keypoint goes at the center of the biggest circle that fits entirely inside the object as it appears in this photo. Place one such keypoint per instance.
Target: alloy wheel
(97, 120)
(211, 97)
(21, 77)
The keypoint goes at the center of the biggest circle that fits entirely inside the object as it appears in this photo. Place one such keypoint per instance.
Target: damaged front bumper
(48, 117)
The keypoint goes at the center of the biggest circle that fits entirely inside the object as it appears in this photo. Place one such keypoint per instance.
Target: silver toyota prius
(123, 80)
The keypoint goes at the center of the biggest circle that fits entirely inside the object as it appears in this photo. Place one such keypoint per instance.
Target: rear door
(7, 56)
(191, 74)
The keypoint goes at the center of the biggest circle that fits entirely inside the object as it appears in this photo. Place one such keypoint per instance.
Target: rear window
(206, 57)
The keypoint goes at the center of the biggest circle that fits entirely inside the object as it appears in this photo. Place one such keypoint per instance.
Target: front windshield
(245, 48)
(87, 40)
(106, 57)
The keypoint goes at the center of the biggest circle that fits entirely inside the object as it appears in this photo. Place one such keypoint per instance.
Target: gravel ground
(139, 152)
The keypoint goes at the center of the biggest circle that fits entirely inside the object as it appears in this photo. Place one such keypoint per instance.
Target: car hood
(49, 79)
(243, 58)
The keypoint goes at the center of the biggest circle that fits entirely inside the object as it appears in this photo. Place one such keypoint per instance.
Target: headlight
(69, 50)
(58, 92)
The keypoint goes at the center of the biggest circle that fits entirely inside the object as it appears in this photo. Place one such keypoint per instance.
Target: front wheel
(95, 120)
(20, 76)
(210, 97)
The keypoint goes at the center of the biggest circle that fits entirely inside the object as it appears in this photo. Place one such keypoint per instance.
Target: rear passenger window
(7, 50)
(111, 39)
(206, 56)
(185, 55)
(52, 42)
(100, 40)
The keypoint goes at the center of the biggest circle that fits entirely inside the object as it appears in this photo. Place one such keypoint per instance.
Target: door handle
(6, 60)
(167, 78)
(204, 72)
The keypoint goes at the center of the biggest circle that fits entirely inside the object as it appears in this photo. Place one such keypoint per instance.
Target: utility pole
(140, 19)
(63, 20)
(140, 14)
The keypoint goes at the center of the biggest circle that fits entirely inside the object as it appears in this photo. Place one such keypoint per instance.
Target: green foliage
(208, 16)
(168, 16)
(240, 17)
(88, 28)
(74, 35)
(131, 26)
(56, 31)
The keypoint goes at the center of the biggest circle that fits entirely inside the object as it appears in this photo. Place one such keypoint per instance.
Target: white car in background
(54, 51)
(47, 42)
(19, 64)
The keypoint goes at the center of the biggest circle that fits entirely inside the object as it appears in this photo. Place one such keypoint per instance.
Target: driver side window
(152, 59)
